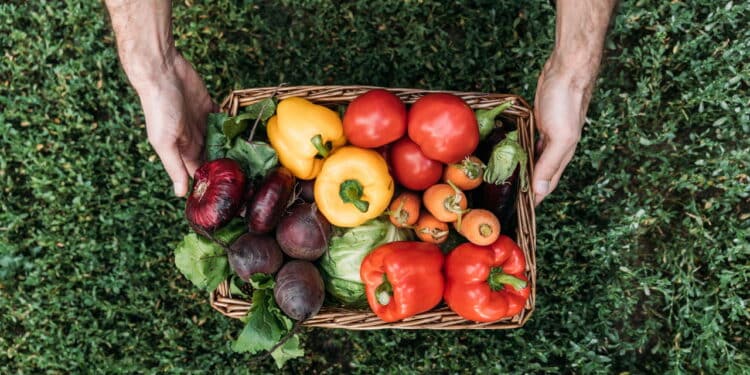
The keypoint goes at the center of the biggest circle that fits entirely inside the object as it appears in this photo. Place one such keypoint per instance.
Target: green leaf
(266, 325)
(231, 231)
(274, 309)
(234, 287)
(263, 109)
(291, 349)
(233, 127)
(201, 261)
(256, 158)
(262, 281)
(215, 138)
(263, 330)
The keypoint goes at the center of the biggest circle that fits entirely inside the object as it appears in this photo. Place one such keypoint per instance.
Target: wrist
(146, 68)
(145, 45)
(580, 30)
(579, 71)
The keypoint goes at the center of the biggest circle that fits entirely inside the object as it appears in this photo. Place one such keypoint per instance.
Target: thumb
(547, 166)
(170, 158)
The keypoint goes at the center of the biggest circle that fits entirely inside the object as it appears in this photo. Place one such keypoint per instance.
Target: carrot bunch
(446, 203)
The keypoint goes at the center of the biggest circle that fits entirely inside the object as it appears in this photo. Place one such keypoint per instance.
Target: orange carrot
(404, 210)
(466, 175)
(445, 201)
(430, 229)
(480, 227)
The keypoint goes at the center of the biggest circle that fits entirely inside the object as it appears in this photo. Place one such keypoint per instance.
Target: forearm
(581, 27)
(143, 31)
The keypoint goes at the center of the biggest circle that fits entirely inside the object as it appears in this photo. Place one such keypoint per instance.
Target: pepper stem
(384, 292)
(498, 279)
(323, 149)
(351, 191)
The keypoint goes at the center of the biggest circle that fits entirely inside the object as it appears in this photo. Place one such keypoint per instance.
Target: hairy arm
(565, 86)
(143, 30)
(174, 98)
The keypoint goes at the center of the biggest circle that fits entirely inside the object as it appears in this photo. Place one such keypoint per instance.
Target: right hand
(176, 105)
(560, 109)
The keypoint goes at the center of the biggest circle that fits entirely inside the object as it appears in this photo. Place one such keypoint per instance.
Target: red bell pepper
(486, 283)
(403, 279)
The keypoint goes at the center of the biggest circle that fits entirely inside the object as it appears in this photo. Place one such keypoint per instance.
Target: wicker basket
(441, 317)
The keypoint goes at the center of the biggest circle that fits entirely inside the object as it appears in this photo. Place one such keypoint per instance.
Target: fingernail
(541, 187)
(178, 189)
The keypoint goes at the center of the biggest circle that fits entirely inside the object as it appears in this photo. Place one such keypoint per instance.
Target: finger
(191, 148)
(192, 163)
(547, 166)
(539, 146)
(192, 160)
(556, 178)
(173, 164)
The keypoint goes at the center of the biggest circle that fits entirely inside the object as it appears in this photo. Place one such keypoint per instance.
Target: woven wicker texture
(441, 317)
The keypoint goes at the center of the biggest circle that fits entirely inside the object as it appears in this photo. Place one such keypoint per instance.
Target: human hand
(176, 105)
(174, 99)
(560, 106)
(564, 88)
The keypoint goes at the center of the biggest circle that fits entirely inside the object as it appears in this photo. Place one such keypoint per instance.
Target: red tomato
(444, 127)
(411, 168)
(374, 119)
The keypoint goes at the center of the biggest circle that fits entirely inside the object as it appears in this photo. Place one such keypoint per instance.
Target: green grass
(643, 251)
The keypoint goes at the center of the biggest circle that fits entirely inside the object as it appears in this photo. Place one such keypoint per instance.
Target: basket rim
(437, 318)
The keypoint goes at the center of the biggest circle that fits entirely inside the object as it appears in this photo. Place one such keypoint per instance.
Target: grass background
(643, 251)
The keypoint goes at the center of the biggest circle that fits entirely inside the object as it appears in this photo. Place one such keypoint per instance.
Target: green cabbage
(340, 265)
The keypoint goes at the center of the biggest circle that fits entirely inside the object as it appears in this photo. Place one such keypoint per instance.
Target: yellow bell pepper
(303, 134)
(353, 186)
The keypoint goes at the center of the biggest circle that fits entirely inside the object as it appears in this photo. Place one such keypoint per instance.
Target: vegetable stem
(323, 149)
(260, 113)
(470, 168)
(506, 156)
(217, 241)
(351, 192)
(384, 292)
(486, 118)
(436, 233)
(498, 279)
